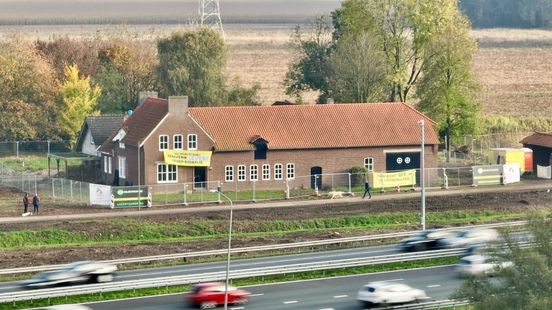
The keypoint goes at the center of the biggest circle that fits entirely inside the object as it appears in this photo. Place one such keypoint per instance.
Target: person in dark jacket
(367, 190)
(36, 202)
(25, 203)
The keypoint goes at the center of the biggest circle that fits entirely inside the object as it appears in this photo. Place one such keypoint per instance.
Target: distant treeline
(508, 13)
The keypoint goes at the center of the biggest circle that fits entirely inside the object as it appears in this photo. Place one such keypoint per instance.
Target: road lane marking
(253, 295)
(290, 302)
(341, 296)
(237, 308)
(327, 309)
(434, 285)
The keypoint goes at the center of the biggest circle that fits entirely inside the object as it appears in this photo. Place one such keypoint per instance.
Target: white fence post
(349, 175)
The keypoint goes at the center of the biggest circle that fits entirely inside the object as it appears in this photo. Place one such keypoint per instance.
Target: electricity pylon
(209, 15)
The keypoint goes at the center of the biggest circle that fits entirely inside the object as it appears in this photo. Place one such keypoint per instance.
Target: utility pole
(209, 15)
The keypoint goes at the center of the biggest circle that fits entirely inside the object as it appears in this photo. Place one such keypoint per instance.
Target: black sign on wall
(403, 161)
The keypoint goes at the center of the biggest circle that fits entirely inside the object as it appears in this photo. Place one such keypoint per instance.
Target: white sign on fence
(100, 194)
(511, 173)
(544, 172)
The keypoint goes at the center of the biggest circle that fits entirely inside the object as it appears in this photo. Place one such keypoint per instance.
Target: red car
(211, 295)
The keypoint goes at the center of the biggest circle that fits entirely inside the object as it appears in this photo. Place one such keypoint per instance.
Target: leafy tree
(310, 70)
(528, 284)
(191, 63)
(78, 101)
(357, 69)
(239, 95)
(447, 89)
(27, 83)
(127, 67)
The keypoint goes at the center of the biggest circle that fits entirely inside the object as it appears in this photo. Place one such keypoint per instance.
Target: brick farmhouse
(262, 144)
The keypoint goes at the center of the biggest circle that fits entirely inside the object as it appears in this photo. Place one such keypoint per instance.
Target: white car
(386, 293)
(469, 237)
(479, 265)
(79, 272)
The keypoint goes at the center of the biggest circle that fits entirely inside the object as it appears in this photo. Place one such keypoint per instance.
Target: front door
(316, 177)
(199, 177)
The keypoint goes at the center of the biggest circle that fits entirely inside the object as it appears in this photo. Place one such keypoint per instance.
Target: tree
(528, 284)
(191, 63)
(78, 101)
(357, 69)
(127, 67)
(310, 70)
(27, 83)
(447, 89)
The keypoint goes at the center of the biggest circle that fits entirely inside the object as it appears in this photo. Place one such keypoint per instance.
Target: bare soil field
(509, 201)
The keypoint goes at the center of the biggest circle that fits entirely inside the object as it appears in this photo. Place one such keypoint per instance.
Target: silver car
(388, 293)
(78, 272)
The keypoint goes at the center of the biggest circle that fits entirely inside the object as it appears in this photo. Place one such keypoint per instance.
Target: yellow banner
(188, 158)
(394, 179)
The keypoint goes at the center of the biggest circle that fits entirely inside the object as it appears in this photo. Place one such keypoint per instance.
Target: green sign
(130, 197)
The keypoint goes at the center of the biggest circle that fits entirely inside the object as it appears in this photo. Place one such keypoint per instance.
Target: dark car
(78, 272)
(424, 240)
(211, 295)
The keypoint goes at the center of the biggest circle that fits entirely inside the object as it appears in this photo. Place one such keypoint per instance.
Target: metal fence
(26, 148)
(301, 187)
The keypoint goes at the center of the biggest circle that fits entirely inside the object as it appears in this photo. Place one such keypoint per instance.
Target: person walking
(367, 190)
(25, 203)
(36, 202)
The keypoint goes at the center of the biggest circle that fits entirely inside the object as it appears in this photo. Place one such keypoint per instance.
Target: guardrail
(436, 304)
(221, 275)
(256, 248)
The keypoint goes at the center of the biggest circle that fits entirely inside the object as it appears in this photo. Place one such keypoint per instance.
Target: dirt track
(505, 200)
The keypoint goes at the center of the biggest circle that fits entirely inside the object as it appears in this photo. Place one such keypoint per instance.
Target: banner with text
(188, 158)
(394, 179)
(99, 194)
(130, 197)
(487, 175)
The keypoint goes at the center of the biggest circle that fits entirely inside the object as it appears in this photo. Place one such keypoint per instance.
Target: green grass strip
(239, 282)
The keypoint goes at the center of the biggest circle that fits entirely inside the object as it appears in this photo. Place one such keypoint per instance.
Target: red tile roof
(293, 126)
(314, 126)
(539, 138)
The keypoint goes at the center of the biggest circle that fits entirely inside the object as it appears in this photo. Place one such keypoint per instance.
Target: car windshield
(465, 261)
(369, 289)
(462, 234)
(424, 233)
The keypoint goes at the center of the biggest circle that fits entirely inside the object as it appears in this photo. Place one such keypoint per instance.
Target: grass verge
(239, 282)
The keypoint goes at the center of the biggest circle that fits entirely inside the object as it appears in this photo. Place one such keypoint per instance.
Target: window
(192, 142)
(167, 173)
(229, 173)
(290, 171)
(254, 173)
(121, 145)
(266, 172)
(177, 142)
(369, 163)
(91, 139)
(241, 173)
(278, 171)
(260, 149)
(122, 167)
(109, 160)
(163, 142)
(105, 164)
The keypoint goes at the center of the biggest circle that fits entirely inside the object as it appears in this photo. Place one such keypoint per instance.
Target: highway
(238, 264)
(322, 294)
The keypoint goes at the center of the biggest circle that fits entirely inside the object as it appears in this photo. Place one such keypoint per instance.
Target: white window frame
(278, 171)
(109, 164)
(229, 173)
(105, 164)
(369, 163)
(254, 173)
(181, 142)
(163, 142)
(121, 145)
(290, 171)
(192, 141)
(242, 173)
(122, 167)
(266, 172)
(168, 175)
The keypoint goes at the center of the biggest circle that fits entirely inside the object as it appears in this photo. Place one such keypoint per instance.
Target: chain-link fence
(26, 148)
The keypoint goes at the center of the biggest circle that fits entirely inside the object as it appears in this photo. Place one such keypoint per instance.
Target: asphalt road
(240, 264)
(321, 294)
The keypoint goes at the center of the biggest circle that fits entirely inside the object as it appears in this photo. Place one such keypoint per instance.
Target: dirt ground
(507, 200)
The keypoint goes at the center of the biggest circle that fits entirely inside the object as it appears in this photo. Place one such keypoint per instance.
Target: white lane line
(399, 279)
(327, 309)
(8, 287)
(341, 296)
(237, 308)
(434, 285)
(290, 302)
(253, 295)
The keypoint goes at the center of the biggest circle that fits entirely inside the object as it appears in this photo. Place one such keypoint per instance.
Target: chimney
(143, 95)
(178, 104)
